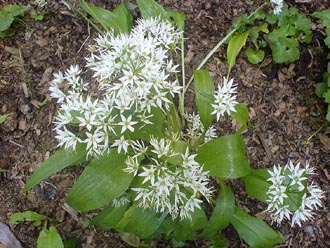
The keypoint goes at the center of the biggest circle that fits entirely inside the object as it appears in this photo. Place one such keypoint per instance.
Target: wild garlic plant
(135, 75)
(149, 159)
(292, 180)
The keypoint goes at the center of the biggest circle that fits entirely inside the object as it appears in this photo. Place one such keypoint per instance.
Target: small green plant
(3, 118)
(322, 89)
(8, 14)
(282, 33)
(150, 164)
(37, 16)
(48, 238)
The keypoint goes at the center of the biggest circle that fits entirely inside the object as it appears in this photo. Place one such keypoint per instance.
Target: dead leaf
(46, 76)
(36, 103)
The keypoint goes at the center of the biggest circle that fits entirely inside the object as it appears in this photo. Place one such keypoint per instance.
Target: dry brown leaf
(36, 103)
(46, 76)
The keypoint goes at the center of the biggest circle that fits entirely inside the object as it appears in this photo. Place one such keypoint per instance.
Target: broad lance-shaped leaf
(120, 20)
(222, 213)
(224, 157)
(179, 18)
(109, 217)
(56, 162)
(254, 231)
(102, 181)
(256, 184)
(204, 88)
(241, 115)
(49, 239)
(234, 47)
(185, 229)
(149, 9)
(140, 221)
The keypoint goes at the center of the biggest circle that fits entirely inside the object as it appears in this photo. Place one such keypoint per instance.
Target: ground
(284, 113)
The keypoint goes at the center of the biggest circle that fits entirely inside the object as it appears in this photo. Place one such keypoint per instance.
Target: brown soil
(283, 106)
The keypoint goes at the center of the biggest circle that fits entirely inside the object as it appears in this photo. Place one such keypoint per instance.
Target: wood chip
(12, 50)
(22, 125)
(189, 56)
(42, 42)
(325, 140)
(25, 89)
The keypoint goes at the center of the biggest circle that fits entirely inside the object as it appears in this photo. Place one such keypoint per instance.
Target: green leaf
(222, 213)
(324, 15)
(224, 157)
(256, 184)
(173, 120)
(14, 10)
(7, 33)
(149, 9)
(70, 243)
(326, 96)
(157, 128)
(2, 170)
(102, 181)
(255, 57)
(179, 147)
(204, 90)
(241, 115)
(140, 221)
(186, 228)
(49, 239)
(234, 47)
(3, 118)
(109, 217)
(179, 18)
(120, 20)
(5, 21)
(327, 42)
(58, 161)
(27, 215)
(321, 88)
(285, 50)
(218, 241)
(254, 231)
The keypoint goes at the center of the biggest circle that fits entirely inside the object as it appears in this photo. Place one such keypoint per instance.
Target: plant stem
(210, 54)
(183, 71)
(315, 133)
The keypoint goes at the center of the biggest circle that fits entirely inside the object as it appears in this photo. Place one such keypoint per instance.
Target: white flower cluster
(195, 128)
(277, 5)
(134, 76)
(287, 184)
(225, 98)
(170, 187)
(135, 69)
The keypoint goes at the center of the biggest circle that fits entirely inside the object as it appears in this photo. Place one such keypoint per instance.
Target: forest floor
(284, 113)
